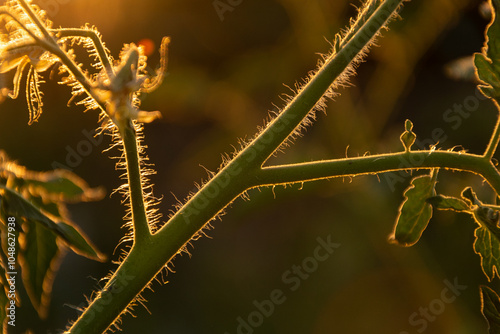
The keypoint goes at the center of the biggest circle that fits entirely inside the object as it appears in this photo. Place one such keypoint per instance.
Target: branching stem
(150, 252)
(495, 138)
(242, 173)
(286, 123)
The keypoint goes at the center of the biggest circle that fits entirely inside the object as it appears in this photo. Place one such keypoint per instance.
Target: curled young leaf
(148, 116)
(132, 77)
(470, 196)
(19, 50)
(408, 137)
(34, 95)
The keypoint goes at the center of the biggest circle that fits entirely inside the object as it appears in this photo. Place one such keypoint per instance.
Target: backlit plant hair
(30, 45)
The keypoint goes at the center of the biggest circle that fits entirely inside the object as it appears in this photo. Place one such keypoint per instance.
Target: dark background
(224, 76)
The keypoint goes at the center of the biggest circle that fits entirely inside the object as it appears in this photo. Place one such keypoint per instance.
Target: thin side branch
(375, 164)
(94, 36)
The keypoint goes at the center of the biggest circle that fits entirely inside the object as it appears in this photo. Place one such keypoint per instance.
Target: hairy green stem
(495, 138)
(120, 291)
(142, 263)
(94, 36)
(294, 113)
(151, 252)
(127, 282)
(375, 164)
(142, 233)
(76, 72)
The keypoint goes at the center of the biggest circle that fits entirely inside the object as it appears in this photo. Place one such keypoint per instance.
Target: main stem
(127, 282)
(143, 263)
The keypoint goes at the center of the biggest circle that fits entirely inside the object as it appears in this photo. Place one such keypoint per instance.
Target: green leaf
(488, 248)
(78, 243)
(39, 260)
(17, 206)
(487, 243)
(490, 308)
(53, 209)
(42, 227)
(488, 74)
(449, 203)
(487, 63)
(415, 212)
(488, 218)
(57, 185)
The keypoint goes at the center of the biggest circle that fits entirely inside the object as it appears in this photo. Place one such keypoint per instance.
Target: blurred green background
(224, 76)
